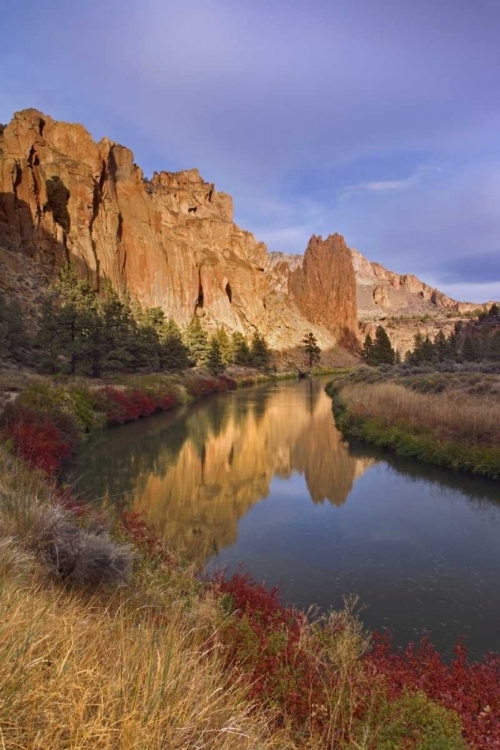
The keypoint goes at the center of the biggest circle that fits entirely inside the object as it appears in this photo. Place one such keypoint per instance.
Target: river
(262, 477)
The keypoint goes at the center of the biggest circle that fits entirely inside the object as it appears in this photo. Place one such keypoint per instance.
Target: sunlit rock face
(170, 241)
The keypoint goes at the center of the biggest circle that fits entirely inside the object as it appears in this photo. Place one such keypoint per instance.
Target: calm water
(262, 477)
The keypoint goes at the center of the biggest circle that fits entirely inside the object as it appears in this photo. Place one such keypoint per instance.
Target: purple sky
(379, 119)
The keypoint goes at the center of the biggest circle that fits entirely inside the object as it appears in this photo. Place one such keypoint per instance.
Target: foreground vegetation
(448, 418)
(108, 640)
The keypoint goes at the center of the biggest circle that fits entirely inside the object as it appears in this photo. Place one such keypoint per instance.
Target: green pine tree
(441, 346)
(225, 346)
(214, 359)
(367, 353)
(120, 349)
(383, 353)
(415, 356)
(67, 323)
(196, 340)
(240, 349)
(150, 322)
(428, 352)
(174, 354)
(311, 348)
(13, 335)
(260, 355)
(471, 349)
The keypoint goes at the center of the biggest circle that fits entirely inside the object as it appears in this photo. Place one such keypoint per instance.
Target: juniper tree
(260, 355)
(13, 336)
(196, 340)
(225, 345)
(240, 349)
(441, 347)
(120, 350)
(367, 352)
(383, 353)
(311, 348)
(214, 359)
(174, 354)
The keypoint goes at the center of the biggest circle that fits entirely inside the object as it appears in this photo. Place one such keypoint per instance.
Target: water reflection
(262, 476)
(194, 473)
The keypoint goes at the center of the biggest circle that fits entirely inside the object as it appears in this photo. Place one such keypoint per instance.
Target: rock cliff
(403, 304)
(170, 241)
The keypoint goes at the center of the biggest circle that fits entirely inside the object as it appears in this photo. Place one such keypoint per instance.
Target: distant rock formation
(169, 241)
(403, 304)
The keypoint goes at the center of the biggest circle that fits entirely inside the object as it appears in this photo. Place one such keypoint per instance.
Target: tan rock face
(403, 304)
(170, 241)
(324, 286)
(380, 296)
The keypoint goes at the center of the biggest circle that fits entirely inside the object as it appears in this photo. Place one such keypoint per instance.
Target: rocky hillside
(403, 304)
(169, 241)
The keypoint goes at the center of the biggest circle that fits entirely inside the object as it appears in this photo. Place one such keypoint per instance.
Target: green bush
(414, 722)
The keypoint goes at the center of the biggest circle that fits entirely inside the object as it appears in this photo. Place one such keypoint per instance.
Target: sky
(378, 119)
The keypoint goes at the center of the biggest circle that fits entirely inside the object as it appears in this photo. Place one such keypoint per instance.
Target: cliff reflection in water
(195, 473)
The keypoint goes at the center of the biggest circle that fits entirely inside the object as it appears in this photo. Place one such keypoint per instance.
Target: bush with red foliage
(121, 406)
(166, 401)
(200, 385)
(472, 689)
(137, 531)
(43, 442)
(285, 667)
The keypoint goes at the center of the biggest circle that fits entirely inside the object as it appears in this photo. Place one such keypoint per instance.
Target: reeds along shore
(444, 418)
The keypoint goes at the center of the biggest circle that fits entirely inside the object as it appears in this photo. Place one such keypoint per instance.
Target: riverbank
(450, 419)
(120, 644)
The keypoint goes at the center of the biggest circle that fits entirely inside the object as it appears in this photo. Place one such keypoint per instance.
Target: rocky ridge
(170, 241)
(403, 304)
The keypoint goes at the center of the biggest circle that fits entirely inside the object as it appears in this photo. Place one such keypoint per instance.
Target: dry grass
(472, 419)
(131, 667)
(77, 674)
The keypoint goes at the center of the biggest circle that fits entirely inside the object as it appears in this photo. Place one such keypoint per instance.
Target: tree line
(468, 342)
(476, 341)
(84, 332)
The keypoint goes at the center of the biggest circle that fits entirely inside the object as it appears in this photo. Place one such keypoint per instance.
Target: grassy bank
(449, 419)
(108, 640)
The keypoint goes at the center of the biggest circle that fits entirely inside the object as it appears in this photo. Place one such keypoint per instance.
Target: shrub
(43, 442)
(472, 690)
(413, 722)
(311, 675)
(74, 554)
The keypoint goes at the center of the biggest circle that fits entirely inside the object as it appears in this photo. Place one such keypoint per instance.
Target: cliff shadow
(23, 236)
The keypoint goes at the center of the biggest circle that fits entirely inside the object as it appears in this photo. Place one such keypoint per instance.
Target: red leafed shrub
(142, 404)
(111, 403)
(121, 406)
(472, 689)
(229, 384)
(40, 439)
(166, 401)
(126, 405)
(284, 665)
(203, 386)
(143, 536)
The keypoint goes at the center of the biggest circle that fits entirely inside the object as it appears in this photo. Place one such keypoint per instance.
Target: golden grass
(79, 674)
(132, 668)
(474, 419)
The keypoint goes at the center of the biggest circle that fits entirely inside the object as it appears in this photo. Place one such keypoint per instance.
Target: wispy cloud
(389, 186)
